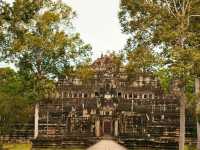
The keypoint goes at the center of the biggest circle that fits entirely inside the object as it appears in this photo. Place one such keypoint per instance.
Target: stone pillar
(141, 81)
(116, 133)
(97, 128)
(197, 91)
(71, 124)
(36, 121)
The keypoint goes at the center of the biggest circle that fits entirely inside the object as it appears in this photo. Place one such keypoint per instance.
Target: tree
(15, 98)
(42, 43)
(141, 60)
(13, 20)
(39, 38)
(194, 24)
(84, 72)
(164, 25)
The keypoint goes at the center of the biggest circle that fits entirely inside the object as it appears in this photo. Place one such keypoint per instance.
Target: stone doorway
(107, 127)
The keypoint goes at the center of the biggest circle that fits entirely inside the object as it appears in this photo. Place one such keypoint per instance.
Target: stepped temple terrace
(131, 109)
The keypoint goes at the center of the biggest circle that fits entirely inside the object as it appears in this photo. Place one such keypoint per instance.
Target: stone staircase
(135, 144)
(63, 142)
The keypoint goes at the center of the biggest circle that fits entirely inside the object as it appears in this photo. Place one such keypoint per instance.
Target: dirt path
(106, 145)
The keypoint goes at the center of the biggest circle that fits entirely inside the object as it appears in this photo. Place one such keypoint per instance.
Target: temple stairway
(63, 142)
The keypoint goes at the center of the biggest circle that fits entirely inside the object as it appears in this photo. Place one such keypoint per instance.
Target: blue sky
(97, 22)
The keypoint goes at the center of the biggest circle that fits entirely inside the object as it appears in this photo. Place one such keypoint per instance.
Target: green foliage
(38, 37)
(84, 72)
(14, 99)
(42, 40)
(165, 78)
(117, 59)
(47, 49)
(14, 21)
(167, 26)
(141, 60)
(41, 43)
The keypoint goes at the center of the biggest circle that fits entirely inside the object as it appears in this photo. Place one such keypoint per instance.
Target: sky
(97, 22)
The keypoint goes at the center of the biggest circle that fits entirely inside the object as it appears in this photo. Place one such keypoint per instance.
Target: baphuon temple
(131, 109)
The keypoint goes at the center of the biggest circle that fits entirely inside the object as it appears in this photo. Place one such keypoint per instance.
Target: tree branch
(187, 5)
(175, 6)
(169, 8)
(180, 5)
(184, 2)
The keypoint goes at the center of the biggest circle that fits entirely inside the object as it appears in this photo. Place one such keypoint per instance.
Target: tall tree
(164, 25)
(194, 25)
(39, 38)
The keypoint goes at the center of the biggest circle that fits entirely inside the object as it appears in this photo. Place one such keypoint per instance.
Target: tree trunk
(198, 135)
(36, 121)
(182, 121)
(197, 90)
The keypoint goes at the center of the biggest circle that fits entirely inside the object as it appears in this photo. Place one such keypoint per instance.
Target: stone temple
(131, 109)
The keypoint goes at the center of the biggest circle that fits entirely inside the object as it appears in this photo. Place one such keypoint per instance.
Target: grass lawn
(17, 146)
(28, 147)
(59, 149)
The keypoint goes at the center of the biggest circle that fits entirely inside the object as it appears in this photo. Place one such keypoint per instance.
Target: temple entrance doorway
(107, 127)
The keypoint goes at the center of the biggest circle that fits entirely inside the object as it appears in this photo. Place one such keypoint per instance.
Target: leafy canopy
(169, 27)
(39, 38)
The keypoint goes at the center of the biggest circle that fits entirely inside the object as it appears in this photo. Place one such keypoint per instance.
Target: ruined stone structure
(130, 108)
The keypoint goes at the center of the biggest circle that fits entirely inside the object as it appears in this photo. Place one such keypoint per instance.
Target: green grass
(28, 147)
(187, 147)
(17, 146)
(59, 149)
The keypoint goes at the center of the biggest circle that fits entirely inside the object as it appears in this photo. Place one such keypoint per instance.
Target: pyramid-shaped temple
(130, 108)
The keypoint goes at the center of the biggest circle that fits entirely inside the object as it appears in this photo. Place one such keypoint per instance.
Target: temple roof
(105, 62)
(104, 59)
